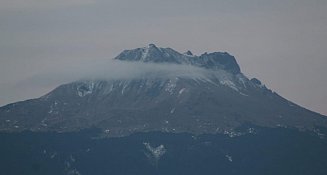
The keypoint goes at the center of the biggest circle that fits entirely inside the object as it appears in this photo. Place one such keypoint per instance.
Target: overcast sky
(281, 42)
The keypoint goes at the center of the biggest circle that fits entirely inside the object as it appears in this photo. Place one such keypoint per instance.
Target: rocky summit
(219, 99)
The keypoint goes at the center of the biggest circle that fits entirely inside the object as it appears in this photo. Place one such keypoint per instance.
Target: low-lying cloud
(114, 70)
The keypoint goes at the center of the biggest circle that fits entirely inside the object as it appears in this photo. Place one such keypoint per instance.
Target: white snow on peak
(85, 89)
(229, 83)
(242, 79)
(168, 83)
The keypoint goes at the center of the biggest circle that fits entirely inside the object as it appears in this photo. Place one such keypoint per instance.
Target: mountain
(183, 114)
(218, 100)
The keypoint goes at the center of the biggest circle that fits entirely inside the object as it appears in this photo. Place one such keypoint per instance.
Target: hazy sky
(281, 42)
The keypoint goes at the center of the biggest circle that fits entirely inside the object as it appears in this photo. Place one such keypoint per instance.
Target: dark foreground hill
(281, 151)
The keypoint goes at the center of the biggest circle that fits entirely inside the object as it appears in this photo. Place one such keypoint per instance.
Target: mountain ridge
(154, 54)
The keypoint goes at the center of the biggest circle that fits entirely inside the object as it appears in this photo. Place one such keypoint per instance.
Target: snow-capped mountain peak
(213, 96)
(154, 54)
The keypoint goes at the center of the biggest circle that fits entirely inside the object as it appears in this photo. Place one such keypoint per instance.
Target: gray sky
(281, 42)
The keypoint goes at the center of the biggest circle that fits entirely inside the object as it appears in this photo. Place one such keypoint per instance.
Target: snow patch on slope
(229, 158)
(154, 153)
(181, 91)
(85, 89)
(171, 85)
(229, 83)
